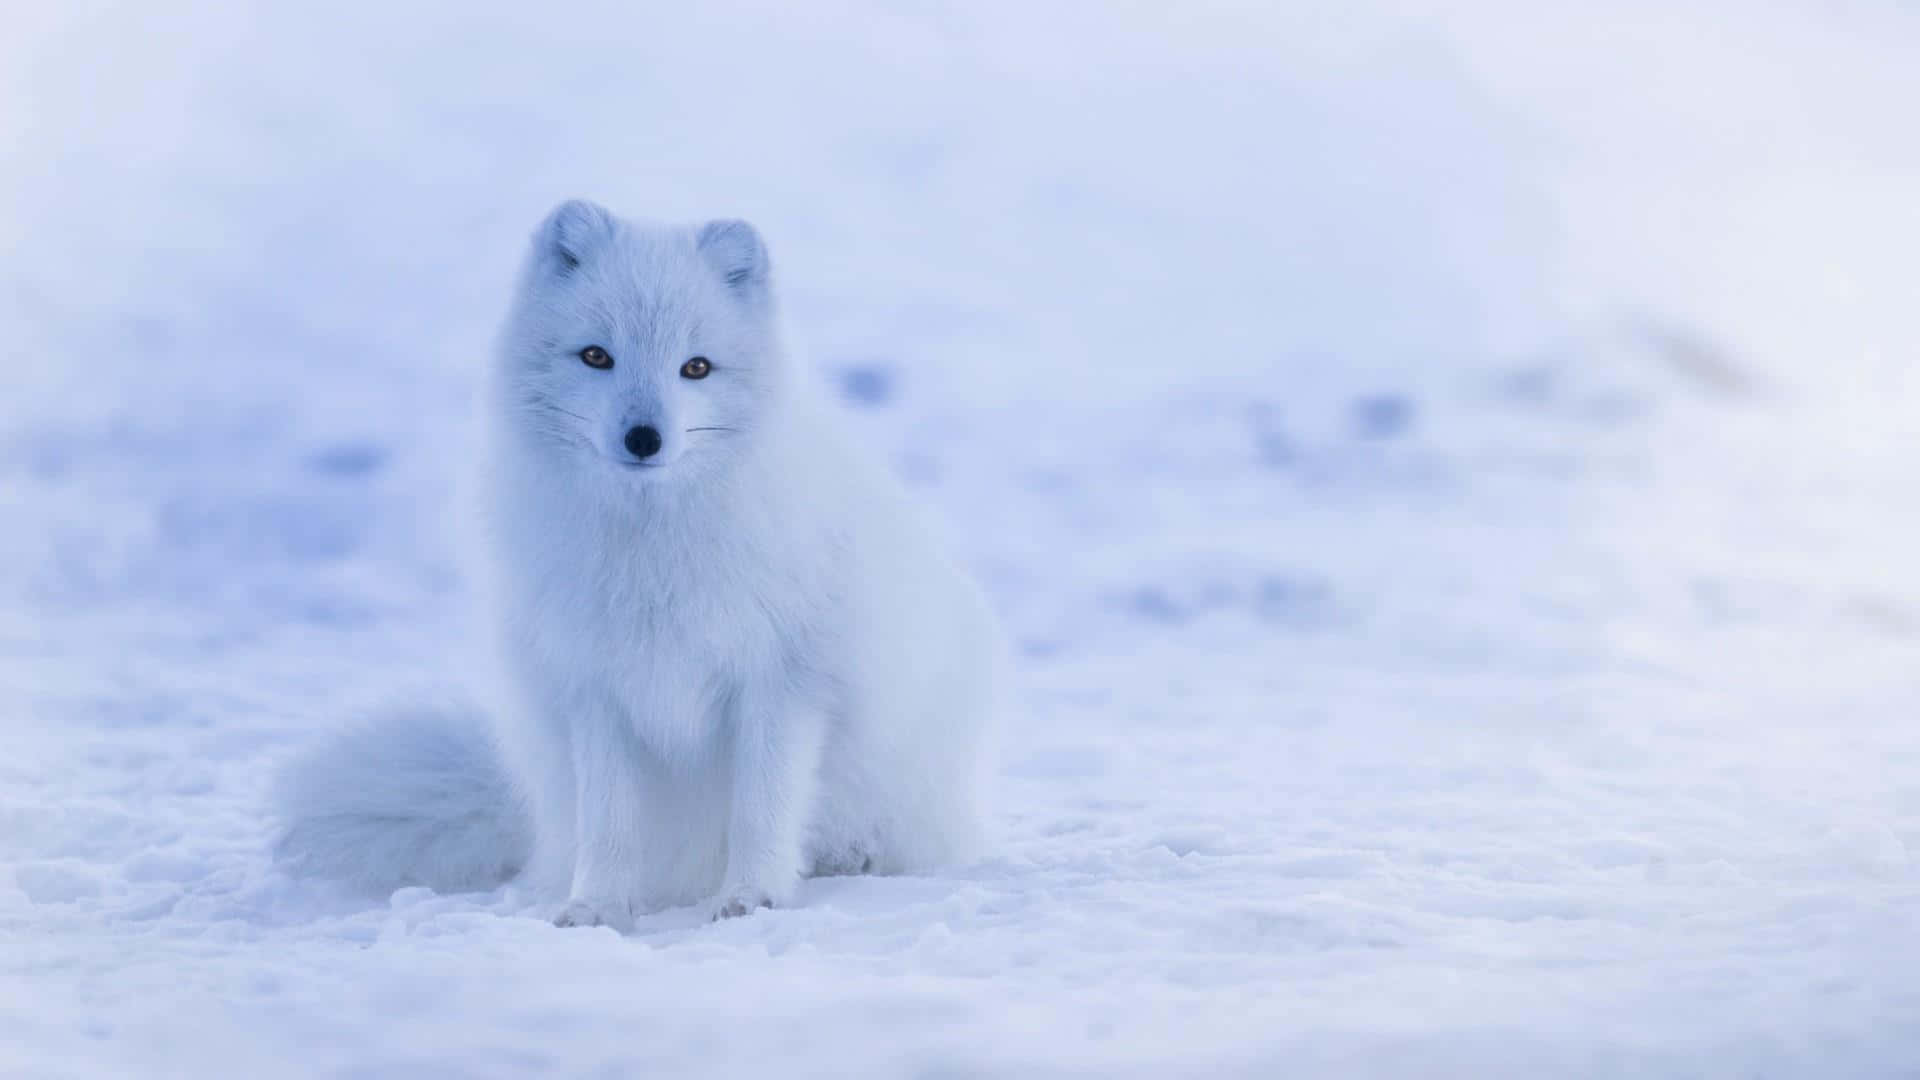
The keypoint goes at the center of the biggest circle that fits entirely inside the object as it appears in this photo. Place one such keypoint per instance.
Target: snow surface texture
(1449, 479)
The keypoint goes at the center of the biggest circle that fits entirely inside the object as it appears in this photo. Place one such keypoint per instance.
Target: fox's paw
(608, 913)
(842, 863)
(736, 902)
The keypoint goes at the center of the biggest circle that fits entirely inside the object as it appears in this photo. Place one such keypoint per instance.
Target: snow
(1446, 475)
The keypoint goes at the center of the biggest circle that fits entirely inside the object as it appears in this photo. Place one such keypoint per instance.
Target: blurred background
(1446, 470)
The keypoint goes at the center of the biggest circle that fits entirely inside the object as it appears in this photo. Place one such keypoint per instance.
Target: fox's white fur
(735, 663)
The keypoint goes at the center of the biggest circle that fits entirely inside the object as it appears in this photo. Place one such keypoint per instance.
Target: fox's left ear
(571, 234)
(734, 248)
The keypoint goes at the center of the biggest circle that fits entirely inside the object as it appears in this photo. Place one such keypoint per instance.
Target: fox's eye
(696, 368)
(596, 357)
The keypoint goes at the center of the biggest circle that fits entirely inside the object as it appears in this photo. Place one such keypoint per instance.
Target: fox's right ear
(570, 235)
(735, 249)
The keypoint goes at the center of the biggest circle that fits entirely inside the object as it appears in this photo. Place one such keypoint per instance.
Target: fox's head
(651, 348)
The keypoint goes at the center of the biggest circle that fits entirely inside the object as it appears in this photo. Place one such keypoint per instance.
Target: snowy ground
(1449, 480)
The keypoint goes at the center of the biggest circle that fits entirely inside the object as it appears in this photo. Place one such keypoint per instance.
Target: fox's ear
(571, 234)
(734, 248)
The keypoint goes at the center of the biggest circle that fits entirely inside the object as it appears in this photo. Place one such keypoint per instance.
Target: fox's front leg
(607, 822)
(777, 740)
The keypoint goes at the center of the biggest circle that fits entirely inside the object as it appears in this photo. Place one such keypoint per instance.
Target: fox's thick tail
(415, 796)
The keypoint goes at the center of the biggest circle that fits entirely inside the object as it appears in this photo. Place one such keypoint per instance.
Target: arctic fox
(731, 657)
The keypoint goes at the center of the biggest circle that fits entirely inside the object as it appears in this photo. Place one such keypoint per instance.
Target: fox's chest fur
(664, 609)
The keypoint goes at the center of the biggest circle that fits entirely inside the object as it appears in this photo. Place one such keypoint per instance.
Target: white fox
(730, 656)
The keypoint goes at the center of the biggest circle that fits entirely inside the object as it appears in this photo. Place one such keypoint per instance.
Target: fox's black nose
(643, 442)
